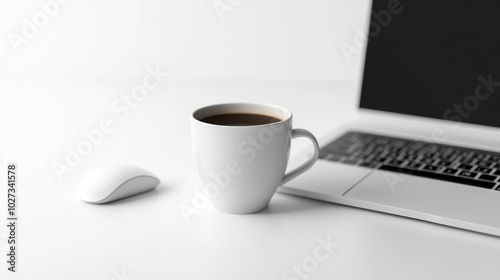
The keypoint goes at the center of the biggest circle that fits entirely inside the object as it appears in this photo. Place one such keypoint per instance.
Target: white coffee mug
(241, 166)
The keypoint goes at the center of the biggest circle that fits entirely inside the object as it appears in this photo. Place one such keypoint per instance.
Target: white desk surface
(146, 237)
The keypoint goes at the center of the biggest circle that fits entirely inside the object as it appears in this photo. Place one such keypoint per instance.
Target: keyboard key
(477, 156)
(488, 177)
(468, 174)
(468, 161)
(413, 165)
(483, 170)
(427, 161)
(483, 164)
(446, 163)
(430, 168)
(466, 167)
(396, 162)
(440, 176)
(438, 162)
(497, 172)
(382, 159)
(450, 171)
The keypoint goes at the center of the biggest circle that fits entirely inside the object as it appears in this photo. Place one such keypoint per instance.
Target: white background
(64, 79)
(257, 40)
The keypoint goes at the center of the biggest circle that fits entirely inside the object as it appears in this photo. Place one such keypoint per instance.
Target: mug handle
(298, 132)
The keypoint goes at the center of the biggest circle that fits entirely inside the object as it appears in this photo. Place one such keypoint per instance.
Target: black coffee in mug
(240, 119)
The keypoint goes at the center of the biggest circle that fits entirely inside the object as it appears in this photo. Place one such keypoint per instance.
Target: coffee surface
(240, 119)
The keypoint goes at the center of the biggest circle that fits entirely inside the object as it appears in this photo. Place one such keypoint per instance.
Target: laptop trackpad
(422, 198)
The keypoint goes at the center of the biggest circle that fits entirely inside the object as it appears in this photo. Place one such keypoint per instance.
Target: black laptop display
(437, 59)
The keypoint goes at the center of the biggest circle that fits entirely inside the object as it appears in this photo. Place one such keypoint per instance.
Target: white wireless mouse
(115, 182)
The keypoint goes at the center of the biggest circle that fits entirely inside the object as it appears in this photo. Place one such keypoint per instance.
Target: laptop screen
(437, 59)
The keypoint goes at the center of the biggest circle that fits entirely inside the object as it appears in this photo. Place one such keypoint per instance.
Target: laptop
(425, 142)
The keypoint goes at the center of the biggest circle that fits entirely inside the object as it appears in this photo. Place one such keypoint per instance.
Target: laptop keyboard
(437, 161)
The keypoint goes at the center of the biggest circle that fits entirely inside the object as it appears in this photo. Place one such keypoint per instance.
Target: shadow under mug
(242, 166)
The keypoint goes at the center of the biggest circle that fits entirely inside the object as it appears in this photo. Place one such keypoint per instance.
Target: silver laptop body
(435, 80)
